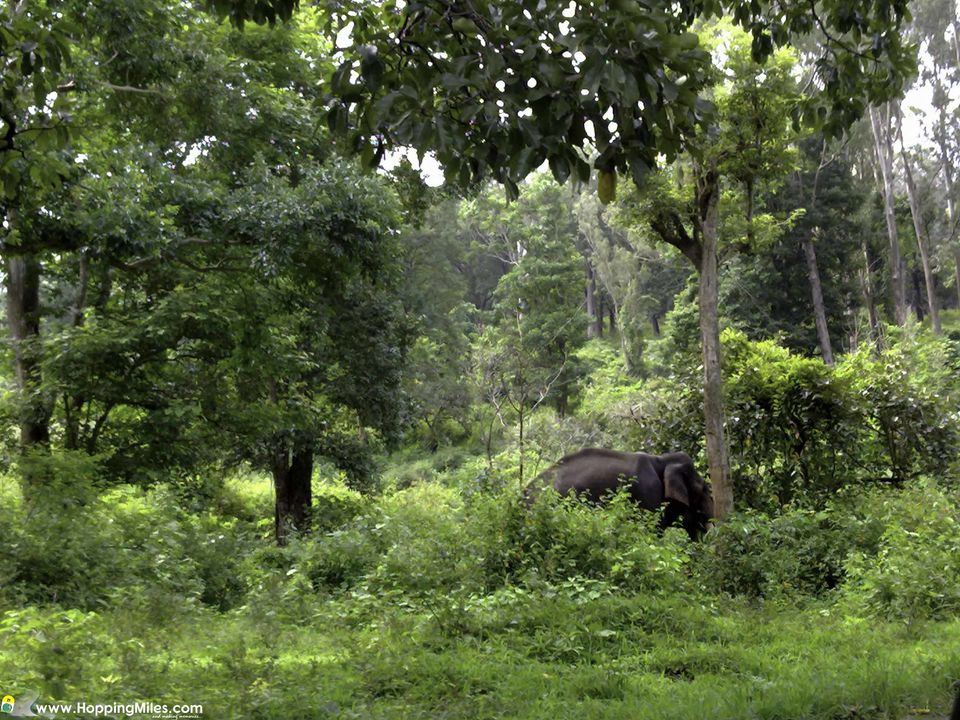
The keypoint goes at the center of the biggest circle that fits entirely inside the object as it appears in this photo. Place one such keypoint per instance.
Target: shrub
(798, 552)
(334, 505)
(906, 400)
(801, 430)
(915, 572)
(790, 421)
(83, 549)
(666, 417)
(562, 539)
(408, 541)
(340, 558)
(247, 497)
(419, 534)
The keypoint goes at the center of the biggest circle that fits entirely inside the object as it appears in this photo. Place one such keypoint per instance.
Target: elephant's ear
(674, 485)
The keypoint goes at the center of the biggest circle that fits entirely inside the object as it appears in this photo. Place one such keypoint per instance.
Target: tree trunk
(866, 286)
(701, 251)
(622, 337)
(708, 191)
(922, 243)
(915, 276)
(521, 438)
(73, 405)
(884, 148)
(655, 324)
(819, 310)
(956, 37)
(594, 325)
(948, 184)
(813, 271)
(23, 319)
(292, 477)
(956, 270)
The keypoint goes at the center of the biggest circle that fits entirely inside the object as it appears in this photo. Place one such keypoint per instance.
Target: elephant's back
(594, 472)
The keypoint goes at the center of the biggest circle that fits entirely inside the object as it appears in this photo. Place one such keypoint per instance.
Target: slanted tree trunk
(622, 337)
(292, 469)
(956, 271)
(948, 174)
(595, 324)
(708, 191)
(922, 242)
(956, 36)
(819, 309)
(884, 147)
(73, 404)
(655, 324)
(813, 271)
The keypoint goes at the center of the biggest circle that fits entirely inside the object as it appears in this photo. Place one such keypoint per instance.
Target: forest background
(268, 412)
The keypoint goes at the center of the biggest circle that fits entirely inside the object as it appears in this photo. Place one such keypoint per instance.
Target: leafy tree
(941, 74)
(435, 293)
(198, 205)
(538, 319)
(750, 143)
(317, 353)
(638, 279)
(882, 125)
(767, 292)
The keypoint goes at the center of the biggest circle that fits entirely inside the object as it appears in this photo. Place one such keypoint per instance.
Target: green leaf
(560, 167)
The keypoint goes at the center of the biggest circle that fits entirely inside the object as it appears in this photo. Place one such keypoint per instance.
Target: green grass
(515, 654)
(425, 603)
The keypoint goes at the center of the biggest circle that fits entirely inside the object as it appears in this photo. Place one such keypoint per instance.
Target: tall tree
(34, 50)
(539, 307)
(750, 147)
(318, 351)
(767, 291)
(638, 280)
(923, 242)
(152, 252)
(881, 125)
(813, 271)
(941, 73)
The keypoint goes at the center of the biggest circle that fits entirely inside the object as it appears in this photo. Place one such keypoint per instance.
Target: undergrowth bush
(412, 467)
(798, 552)
(801, 430)
(85, 549)
(907, 401)
(419, 535)
(560, 539)
(335, 505)
(915, 572)
(791, 422)
(427, 540)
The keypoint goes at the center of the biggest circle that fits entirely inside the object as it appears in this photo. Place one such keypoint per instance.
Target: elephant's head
(682, 484)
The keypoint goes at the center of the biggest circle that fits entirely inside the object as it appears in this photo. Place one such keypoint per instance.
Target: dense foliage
(270, 417)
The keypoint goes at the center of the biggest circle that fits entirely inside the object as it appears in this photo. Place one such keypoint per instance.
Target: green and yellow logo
(6, 704)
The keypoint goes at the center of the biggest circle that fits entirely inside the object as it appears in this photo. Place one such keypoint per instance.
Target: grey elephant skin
(651, 481)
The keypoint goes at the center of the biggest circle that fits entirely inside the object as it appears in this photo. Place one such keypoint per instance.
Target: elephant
(651, 480)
